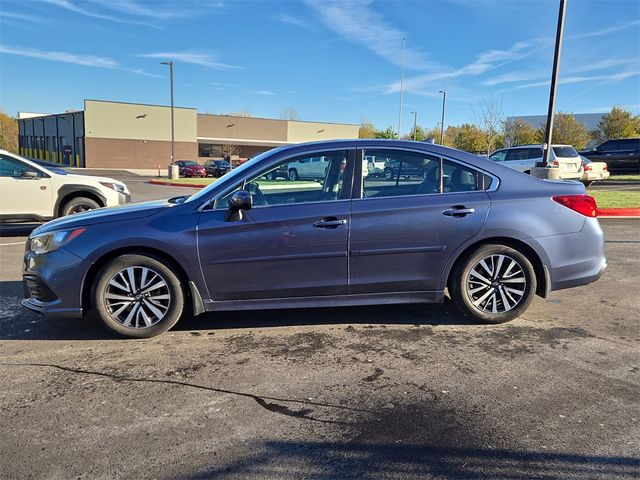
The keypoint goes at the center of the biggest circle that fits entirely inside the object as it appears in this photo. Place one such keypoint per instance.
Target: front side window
(609, 146)
(320, 185)
(10, 167)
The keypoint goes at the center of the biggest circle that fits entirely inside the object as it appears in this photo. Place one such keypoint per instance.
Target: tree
(466, 137)
(618, 123)
(566, 130)
(388, 133)
(367, 130)
(518, 133)
(434, 133)
(8, 133)
(289, 113)
(489, 122)
(242, 113)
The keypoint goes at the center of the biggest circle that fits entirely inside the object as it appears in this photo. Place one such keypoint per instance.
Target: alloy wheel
(496, 284)
(137, 297)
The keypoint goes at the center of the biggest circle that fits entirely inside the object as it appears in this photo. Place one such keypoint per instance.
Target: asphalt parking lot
(373, 392)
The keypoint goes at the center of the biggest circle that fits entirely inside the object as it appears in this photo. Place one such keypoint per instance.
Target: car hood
(103, 215)
(71, 176)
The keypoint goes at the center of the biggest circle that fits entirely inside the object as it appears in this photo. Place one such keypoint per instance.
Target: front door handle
(459, 211)
(330, 222)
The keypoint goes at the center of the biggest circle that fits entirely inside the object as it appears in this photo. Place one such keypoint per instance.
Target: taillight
(587, 168)
(605, 168)
(556, 163)
(583, 204)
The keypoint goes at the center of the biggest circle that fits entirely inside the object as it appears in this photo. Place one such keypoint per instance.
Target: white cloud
(355, 21)
(615, 77)
(75, 59)
(195, 58)
(73, 7)
(20, 16)
(605, 31)
(264, 92)
(86, 60)
(291, 20)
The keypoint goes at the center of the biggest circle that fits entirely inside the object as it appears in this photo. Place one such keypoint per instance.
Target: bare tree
(488, 118)
(289, 113)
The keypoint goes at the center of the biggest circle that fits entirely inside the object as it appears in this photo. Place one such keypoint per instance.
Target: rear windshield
(565, 152)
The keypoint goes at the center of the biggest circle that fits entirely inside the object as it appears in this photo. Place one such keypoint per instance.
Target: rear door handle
(458, 211)
(331, 222)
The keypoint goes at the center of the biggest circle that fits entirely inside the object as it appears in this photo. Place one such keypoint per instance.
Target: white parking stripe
(7, 244)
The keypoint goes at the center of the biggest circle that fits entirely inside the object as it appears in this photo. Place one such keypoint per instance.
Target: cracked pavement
(372, 392)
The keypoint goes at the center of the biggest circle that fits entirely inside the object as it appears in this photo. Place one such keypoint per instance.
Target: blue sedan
(489, 236)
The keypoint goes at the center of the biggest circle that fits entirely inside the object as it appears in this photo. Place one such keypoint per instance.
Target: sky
(332, 60)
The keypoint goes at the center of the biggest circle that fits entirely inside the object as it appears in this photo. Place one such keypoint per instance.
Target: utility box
(174, 171)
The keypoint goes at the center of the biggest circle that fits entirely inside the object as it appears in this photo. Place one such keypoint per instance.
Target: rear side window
(412, 173)
(566, 152)
(630, 144)
(609, 146)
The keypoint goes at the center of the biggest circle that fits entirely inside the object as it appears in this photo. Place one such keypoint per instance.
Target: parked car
(282, 171)
(593, 171)
(621, 155)
(525, 157)
(189, 168)
(217, 168)
(375, 165)
(313, 168)
(394, 169)
(32, 192)
(491, 237)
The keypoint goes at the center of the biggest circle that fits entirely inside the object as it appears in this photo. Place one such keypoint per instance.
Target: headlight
(118, 187)
(48, 242)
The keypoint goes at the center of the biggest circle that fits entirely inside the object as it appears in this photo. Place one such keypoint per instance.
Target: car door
(23, 195)
(402, 234)
(292, 243)
(627, 155)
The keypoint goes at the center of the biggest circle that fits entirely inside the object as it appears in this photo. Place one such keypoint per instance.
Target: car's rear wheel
(79, 205)
(138, 296)
(494, 284)
(388, 174)
(293, 175)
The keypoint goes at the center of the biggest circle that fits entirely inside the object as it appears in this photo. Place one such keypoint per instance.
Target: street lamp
(415, 124)
(444, 101)
(173, 142)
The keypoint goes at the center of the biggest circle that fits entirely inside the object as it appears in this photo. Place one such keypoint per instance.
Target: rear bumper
(575, 259)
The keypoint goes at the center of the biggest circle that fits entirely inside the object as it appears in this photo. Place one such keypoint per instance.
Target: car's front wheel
(293, 175)
(137, 296)
(388, 174)
(79, 205)
(494, 284)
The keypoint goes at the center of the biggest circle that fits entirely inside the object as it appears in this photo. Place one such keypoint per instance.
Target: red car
(189, 168)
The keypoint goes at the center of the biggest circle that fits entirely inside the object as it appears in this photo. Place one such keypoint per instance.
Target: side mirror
(30, 174)
(239, 201)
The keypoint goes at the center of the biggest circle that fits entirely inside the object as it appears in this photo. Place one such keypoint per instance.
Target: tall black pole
(554, 79)
(444, 101)
(415, 125)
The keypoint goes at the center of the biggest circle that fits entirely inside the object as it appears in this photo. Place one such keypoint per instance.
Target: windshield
(190, 163)
(230, 178)
(567, 152)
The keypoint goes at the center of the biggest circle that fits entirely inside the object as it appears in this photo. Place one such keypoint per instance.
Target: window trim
(495, 181)
(348, 179)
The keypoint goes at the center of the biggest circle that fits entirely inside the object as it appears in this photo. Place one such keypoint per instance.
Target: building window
(209, 150)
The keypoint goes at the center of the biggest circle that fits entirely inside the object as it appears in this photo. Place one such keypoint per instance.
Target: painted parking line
(7, 244)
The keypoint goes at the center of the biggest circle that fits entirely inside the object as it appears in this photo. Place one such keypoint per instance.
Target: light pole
(444, 102)
(173, 142)
(415, 124)
(554, 79)
(404, 44)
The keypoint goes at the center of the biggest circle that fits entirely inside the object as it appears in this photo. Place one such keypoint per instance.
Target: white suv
(308, 168)
(29, 191)
(525, 157)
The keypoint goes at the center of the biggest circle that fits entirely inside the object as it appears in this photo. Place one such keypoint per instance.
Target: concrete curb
(602, 212)
(619, 212)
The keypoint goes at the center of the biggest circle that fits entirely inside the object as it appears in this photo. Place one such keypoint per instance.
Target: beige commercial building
(138, 136)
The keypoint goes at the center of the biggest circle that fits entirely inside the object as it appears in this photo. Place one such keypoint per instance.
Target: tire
(79, 205)
(467, 289)
(271, 176)
(293, 175)
(161, 307)
(388, 174)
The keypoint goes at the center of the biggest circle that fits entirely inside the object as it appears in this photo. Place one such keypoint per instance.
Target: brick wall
(120, 153)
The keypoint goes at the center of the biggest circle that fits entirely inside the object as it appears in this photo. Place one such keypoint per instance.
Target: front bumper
(52, 283)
